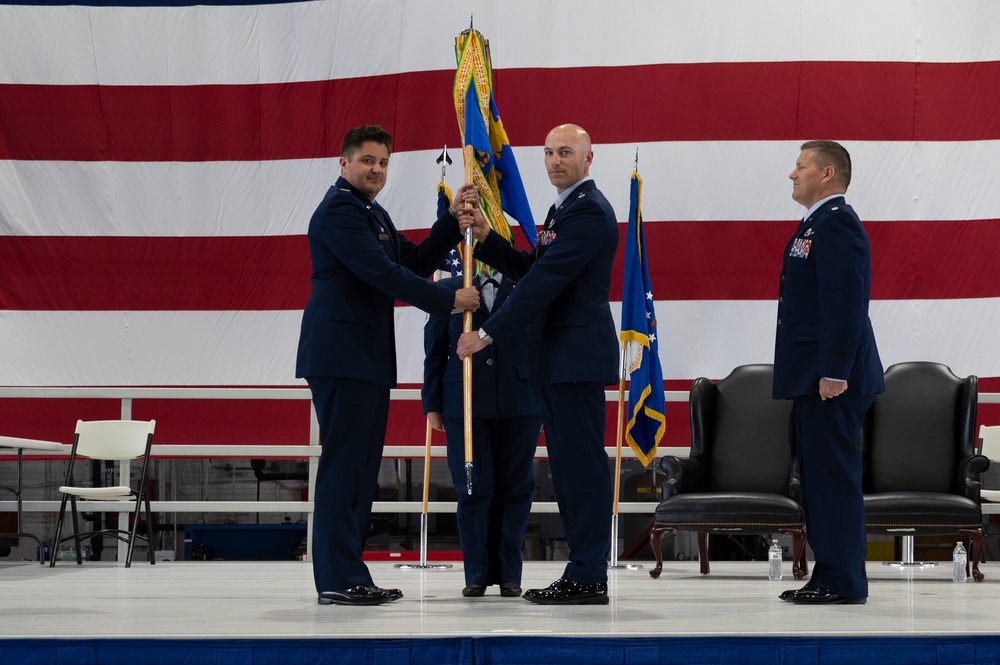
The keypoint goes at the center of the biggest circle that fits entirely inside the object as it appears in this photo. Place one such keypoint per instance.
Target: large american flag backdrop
(159, 163)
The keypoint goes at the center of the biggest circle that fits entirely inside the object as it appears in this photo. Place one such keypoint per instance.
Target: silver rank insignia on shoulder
(581, 195)
(808, 232)
(834, 208)
(343, 189)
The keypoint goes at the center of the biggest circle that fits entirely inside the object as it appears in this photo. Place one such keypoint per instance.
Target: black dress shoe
(394, 594)
(360, 594)
(821, 596)
(474, 591)
(787, 595)
(510, 589)
(568, 592)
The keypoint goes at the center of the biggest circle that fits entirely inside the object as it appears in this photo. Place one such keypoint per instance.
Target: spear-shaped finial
(444, 159)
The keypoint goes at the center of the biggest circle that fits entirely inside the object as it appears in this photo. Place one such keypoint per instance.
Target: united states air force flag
(646, 404)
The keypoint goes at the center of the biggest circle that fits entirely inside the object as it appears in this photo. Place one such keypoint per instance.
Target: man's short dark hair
(831, 153)
(359, 135)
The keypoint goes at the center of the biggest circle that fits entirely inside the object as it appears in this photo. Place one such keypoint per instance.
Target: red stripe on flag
(871, 101)
(146, 273)
(688, 261)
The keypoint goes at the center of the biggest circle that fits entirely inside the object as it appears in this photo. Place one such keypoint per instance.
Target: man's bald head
(568, 155)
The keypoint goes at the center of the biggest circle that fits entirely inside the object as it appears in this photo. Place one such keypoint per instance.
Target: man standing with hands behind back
(347, 350)
(563, 288)
(826, 361)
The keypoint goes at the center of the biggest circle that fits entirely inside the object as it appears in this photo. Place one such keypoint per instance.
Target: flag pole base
(614, 565)
(423, 565)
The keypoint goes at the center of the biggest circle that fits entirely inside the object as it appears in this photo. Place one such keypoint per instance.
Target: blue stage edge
(978, 650)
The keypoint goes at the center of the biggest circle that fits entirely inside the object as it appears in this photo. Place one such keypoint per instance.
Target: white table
(33, 445)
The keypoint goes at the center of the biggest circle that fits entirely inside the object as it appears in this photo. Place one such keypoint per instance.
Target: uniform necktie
(488, 289)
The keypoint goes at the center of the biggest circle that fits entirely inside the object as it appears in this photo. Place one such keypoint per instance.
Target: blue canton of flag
(646, 401)
(453, 262)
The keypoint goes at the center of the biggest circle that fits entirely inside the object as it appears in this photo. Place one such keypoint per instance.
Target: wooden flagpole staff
(467, 153)
(444, 160)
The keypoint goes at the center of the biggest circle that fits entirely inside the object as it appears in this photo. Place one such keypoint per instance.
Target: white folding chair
(989, 446)
(108, 440)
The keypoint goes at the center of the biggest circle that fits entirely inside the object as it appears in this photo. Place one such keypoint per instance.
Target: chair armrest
(969, 470)
(684, 475)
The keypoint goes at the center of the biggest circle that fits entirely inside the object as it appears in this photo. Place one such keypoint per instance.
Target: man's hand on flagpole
(467, 298)
(435, 420)
(470, 343)
(466, 201)
(480, 227)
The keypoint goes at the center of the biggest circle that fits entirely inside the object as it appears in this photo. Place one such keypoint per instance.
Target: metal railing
(309, 451)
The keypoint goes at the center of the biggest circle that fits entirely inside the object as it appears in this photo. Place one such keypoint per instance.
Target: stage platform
(222, 612)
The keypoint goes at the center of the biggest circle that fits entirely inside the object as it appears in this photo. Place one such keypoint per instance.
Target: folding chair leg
(133, 530)
(59, 525)
(76, 534)
(149, 529)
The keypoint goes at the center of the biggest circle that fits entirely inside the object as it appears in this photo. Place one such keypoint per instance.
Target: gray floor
(219, 599)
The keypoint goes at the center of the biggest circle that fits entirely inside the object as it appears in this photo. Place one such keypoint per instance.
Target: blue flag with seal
(646, 401)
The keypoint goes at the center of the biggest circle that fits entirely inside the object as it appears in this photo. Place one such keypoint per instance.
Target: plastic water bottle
(958, 562)
(774, 562)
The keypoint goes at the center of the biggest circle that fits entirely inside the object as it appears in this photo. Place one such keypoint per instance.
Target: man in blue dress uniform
(563, 289)
(826, 361)
(347, 350)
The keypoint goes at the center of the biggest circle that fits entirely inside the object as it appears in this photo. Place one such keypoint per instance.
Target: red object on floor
(411, 555)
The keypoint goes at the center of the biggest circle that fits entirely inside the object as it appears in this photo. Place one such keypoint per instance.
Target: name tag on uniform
(800, 248)
(383, 236)
(546, 237)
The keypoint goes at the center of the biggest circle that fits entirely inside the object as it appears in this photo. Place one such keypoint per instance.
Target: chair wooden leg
(703, 552)
(656, 544)
(800, 566)
(976, 552)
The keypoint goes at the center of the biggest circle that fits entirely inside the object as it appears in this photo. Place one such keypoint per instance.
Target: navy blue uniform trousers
(574, 416)
(827, 434)
(493, 519)
(348, 476)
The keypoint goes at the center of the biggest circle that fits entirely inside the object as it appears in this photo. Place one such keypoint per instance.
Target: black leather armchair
(738, 478)
(921, 470)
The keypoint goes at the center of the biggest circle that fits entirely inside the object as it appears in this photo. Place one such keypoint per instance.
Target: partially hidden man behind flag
(496, 173)
(646, 402)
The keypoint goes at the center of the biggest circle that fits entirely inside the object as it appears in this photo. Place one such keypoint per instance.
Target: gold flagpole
(467, 153)
(618, 455)
(444, 160)
(622, 373)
